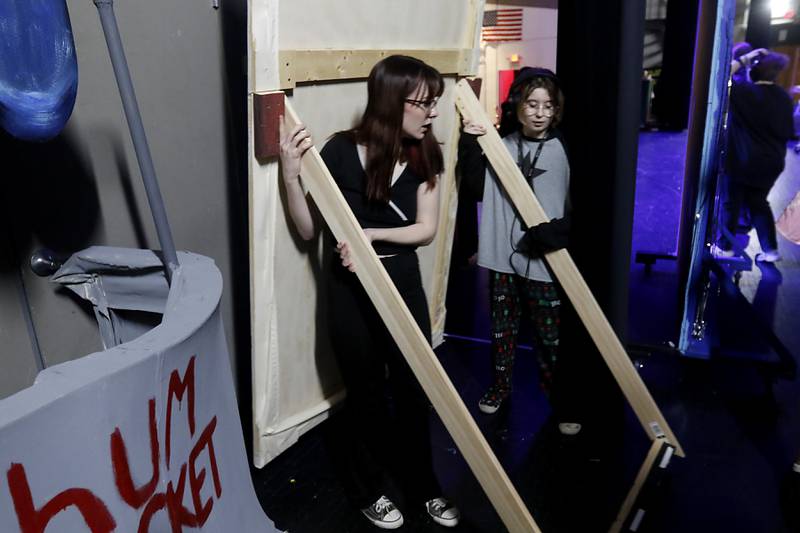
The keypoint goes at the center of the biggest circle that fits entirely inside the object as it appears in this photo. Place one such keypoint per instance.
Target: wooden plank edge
(444, 245)
(314, 65)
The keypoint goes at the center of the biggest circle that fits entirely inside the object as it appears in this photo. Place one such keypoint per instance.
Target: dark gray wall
(187, 61)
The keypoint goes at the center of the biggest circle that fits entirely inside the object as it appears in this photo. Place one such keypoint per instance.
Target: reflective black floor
(737, 418)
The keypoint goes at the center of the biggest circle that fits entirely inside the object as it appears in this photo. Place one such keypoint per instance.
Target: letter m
(177, 388)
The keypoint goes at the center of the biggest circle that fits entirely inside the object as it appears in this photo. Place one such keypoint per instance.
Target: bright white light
(780, 8)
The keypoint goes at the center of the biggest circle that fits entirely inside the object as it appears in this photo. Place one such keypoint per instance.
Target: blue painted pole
(120, 64)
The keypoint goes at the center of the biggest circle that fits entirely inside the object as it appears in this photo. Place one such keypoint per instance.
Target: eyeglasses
(427, 105)
(546, 109)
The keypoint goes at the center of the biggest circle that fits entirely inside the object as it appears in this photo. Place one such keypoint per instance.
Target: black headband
(526, 74)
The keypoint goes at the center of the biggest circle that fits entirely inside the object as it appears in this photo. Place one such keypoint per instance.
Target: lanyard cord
(535, 158)
(528, 178)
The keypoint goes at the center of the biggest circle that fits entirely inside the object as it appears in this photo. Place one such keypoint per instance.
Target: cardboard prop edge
(302, 66)
(77, 440)
(412, 343)
(569, 277)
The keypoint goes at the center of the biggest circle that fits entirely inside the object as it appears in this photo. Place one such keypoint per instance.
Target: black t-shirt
(760, 125)
(341, 157)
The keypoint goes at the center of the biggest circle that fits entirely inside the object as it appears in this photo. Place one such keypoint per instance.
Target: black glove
(545, 237)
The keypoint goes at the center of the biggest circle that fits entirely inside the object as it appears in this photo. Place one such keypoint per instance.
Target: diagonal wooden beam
(412, 343)
(448, 209)
(567, 273)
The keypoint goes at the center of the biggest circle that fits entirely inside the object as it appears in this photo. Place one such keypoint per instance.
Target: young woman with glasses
(387, 167)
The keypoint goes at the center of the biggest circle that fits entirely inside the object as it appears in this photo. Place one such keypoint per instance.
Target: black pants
(383, 427)
(755, 199)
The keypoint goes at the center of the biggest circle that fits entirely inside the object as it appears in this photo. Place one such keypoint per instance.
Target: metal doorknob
(45, 262)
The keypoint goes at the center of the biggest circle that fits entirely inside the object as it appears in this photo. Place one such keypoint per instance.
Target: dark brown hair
(380, 129)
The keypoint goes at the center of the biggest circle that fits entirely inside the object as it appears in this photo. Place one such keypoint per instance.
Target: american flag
(502, 25)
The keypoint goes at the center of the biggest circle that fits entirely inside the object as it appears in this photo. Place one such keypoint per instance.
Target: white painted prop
(139, 436)
(567, 273)
(295, 381)
(412, 343)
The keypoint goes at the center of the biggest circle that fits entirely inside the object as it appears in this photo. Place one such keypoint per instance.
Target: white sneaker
(569, 428)
(383, 514)
(443, 512)
(768, 257)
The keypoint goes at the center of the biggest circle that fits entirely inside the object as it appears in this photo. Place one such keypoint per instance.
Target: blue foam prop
(38, 68)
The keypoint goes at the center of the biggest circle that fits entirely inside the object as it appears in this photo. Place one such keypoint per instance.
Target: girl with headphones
(512, 253)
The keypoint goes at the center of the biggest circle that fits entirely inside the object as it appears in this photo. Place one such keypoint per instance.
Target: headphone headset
(526, 74)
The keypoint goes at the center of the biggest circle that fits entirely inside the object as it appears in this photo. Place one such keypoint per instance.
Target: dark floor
(738, 422)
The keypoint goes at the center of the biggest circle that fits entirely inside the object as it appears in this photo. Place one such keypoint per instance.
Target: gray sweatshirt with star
(500, 227)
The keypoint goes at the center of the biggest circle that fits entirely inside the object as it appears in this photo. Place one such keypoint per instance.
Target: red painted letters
(122, 470)
(196, 481)
(176, 388)
(93, 509)
(32, 520)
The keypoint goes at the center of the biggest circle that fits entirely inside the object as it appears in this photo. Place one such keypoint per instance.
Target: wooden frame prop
(412, 343)
(567, 273)
(444, 242)
(302, 66)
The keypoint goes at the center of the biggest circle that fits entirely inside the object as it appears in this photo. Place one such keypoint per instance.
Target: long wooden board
(299, 66)
(567, 273)
(409, 338)
(448, 208)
